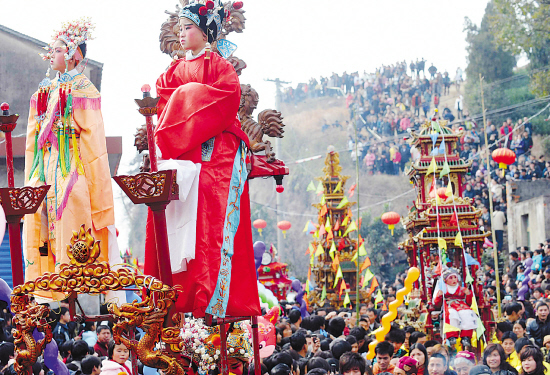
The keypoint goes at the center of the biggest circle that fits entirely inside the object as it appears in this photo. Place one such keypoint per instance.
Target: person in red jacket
(198, 127)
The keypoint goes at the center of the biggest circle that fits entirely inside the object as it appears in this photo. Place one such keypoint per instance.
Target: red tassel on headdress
(237, 5)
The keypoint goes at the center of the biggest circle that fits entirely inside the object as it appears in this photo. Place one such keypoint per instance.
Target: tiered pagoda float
(332, 249)
(441, 220)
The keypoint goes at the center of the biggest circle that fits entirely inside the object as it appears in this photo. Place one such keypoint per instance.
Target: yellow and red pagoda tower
(334, 255)
(442, 224)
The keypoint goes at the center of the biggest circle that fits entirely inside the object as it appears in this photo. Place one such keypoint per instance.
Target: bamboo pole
(495, 252)
(357, 300)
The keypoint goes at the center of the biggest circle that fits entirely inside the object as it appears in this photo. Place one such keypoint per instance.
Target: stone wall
(528, 213)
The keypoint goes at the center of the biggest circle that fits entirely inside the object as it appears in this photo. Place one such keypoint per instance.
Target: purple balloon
(296, 286)
(522, 291)
(5, 292)
(259, 249)
(51, 355)
(528, 264)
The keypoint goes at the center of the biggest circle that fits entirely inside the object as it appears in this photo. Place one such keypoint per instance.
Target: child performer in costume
(66, 149)
(457, 310)
(198, 124)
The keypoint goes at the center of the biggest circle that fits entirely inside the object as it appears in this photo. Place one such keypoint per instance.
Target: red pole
(15, 250)
(223, 355)
(256, 343)
(161, 237)
(422, 272)
(151, 143)
(9, 159)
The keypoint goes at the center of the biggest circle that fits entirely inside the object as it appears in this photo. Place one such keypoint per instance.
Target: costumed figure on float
(455, 300)
(199, 135)
(66, 149)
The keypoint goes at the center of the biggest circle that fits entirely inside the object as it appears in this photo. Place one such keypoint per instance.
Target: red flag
(322, 230)
(323, 210)
(454, 220)
(384, 307)
(359, 222)
(373, 285)
(307, 251)
(341, 244)
(337, 225)
(351, 190)
(330, 235)
(335, 263)
(343, 288)
(365, 265)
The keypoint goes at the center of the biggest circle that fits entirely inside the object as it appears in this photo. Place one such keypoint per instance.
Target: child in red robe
(198, 123)
(457, 310)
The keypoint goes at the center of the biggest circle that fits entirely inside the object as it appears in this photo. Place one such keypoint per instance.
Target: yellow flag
(346, 299)
(338, 276)
(327, 224)
(362, 250)
(437, 200)
(332, 250)
(474, 305)
(379, 297)
(311, 248)
(354, 258)
(338, 187)
(351, 228)
(311, 186)
(458, 239)
(307, 286)
(442, 243)
(323, 201)
(319, 188)
(449, 328)
(320, 250)
(345, 222)
(307, 225)
(449, 191)
(368, 276)
(432, 168)
(343, 202)
(316, 234)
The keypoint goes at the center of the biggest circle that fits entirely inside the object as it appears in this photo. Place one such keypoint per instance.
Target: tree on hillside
(382, 247)
(484, 56)
(522, 26)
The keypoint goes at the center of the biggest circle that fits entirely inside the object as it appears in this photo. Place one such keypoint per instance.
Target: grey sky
(289, 39)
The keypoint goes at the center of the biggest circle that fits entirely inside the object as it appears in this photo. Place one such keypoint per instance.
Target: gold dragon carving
(29, 316)
(84, 275)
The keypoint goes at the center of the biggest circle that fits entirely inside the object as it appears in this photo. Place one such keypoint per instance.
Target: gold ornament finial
(84, 249)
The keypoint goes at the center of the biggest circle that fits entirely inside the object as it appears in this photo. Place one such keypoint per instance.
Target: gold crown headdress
(74, 34)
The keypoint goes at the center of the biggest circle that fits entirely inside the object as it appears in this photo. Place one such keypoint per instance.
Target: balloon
(296, 286)
(51, 355)
(5, 292)
(528, 263)
(259, 249)
(522, 291)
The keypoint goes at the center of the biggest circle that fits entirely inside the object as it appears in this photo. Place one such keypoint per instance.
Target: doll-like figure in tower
(66, 149)
(456, 302)
(200, 135)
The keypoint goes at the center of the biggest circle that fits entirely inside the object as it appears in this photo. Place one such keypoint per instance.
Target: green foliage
(521, 26)
(484, 56)
(381, 246)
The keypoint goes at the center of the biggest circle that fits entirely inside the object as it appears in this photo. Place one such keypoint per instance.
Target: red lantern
(504, 157)
(284, 226)
(259, 224)
(442, 192)
(391, 218)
